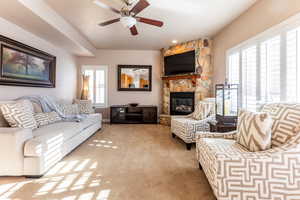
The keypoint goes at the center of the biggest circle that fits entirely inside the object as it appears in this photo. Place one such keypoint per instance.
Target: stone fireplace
(199, 83)
(182, 103)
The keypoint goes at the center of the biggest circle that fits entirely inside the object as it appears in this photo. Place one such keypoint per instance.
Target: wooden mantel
(193, 77)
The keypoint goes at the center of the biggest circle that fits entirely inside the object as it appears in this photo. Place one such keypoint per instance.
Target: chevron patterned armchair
(236, 173)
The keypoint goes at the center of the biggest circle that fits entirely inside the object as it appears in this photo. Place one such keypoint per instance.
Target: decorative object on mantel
(85, 87)
(134, 78)
(227, 103)
(133, 104)
(22, 65)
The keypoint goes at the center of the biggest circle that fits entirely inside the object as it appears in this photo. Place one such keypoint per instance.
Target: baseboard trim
(106, 120)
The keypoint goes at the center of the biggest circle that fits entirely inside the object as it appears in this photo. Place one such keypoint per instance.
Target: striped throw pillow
(254, 130)
(19, 114)
(43, 119)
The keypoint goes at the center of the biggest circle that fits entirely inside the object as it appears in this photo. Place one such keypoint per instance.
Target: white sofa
(24, 152)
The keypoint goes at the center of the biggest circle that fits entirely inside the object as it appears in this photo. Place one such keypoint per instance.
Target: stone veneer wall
(204, 87)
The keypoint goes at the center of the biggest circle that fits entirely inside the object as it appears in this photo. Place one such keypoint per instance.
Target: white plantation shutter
(270, 70)
(234, 68)
(249, 78)
(293, 70)
(267, 67)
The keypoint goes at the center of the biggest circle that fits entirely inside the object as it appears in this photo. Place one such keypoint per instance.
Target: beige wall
(66, 70)
(113, 58)
(263, 15)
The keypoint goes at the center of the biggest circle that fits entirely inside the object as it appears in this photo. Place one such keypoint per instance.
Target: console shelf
(124, 114)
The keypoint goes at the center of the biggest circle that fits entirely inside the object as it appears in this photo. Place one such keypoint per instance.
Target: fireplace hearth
(182, 103)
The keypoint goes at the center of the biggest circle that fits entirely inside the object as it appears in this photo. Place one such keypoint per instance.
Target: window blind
(249, 78)
(269, 70)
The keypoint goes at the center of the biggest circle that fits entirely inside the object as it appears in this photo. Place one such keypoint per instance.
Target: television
(180, 63)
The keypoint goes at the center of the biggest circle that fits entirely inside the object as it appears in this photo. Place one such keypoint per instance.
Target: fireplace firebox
(182, 103)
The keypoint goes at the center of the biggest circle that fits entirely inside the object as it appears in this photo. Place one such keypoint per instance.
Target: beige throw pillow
(85, 106)
(254, 130)
(43, 119)
(202, 110)
(19, 114)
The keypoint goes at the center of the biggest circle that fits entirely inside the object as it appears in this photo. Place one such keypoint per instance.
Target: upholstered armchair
(186, 127)
(236, 173)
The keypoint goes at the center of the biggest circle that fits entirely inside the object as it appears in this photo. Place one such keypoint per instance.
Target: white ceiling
(73, 24)
(184, 20)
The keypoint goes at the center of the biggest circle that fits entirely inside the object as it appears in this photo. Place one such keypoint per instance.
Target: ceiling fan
(129, 16)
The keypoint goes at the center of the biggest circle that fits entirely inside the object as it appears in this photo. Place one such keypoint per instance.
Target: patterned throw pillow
(43, 119)
(19, 114)
(85, 106)
(202, 110)
(69, 109)
(254, 130)
(286, 118)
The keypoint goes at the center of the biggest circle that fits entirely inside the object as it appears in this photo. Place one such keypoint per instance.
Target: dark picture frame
(147, 67)
(22, 65)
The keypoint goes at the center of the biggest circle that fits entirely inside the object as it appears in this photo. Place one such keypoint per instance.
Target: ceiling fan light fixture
(128, 21)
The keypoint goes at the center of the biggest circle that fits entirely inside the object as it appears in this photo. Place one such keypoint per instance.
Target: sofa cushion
(43, 119)
(286, 118)
(69, 109)
(3, 122)
(254, 130)
(51, 137)
(85, 106)
(19, 114)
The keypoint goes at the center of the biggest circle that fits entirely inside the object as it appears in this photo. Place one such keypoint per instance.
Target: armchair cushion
(286, 118)
(202, 110)
(254, 130)
(187, 128)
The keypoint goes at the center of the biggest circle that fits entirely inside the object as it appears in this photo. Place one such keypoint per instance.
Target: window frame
(95, 68)
(278, 30)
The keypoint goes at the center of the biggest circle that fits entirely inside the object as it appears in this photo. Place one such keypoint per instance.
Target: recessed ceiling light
(174, 41)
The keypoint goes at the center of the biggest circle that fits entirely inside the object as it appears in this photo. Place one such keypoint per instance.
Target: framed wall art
(22, 65)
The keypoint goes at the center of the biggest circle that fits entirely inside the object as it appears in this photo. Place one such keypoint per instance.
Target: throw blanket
(49, 104)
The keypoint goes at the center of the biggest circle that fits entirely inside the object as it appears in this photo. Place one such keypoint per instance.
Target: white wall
(66, 70)
(113, 58)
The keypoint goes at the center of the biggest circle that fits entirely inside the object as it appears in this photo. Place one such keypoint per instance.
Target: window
(97, 84)
(267, 67)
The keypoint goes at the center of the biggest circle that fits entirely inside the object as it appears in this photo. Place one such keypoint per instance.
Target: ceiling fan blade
(150, 21)
(141, 5)
(133, 30)
(102, 5)
(109, 22)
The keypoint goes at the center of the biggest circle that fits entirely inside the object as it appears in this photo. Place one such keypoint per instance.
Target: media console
(125, 114)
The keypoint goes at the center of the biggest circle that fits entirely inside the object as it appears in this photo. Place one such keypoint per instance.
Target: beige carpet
(134, 162)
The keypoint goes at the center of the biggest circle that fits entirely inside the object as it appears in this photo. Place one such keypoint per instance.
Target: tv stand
(124, 114)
